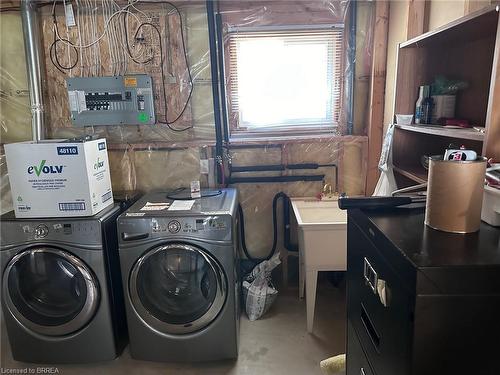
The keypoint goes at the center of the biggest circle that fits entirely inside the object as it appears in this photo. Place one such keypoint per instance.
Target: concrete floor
(277, 344)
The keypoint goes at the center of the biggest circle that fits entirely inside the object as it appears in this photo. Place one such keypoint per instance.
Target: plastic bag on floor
(259, 292)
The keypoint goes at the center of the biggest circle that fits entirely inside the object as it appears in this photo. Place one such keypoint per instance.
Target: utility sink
(312, 212)
(322, 244)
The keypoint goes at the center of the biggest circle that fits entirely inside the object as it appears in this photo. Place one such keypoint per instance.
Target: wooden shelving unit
(467, 49)
(441, 131)
(418, 175)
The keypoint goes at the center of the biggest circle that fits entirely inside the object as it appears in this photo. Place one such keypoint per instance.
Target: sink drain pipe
(286, 225)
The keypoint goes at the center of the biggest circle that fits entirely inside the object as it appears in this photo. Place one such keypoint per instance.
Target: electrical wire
(85, 34)
(181, 25)
(118, 56)
(166, 122)
(95, 48)
(126, 41)
(121, 39)
(80, 39)
(68, 48)
(105, 31)
(127, 44)
(54, 58)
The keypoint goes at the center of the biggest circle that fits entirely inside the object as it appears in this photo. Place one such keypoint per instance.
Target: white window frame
(236, 129)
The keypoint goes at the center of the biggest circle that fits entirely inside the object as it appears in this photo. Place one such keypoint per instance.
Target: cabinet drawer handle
(371, 277)
(370, 328)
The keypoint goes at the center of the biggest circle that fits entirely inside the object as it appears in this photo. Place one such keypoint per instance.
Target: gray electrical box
(118, 100)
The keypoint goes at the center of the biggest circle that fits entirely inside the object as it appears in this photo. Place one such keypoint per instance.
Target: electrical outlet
(70, 16)
(204, 169)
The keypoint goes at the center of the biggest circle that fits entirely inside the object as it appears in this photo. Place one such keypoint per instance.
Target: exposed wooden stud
(471, 6)
(418, 18)
(491, 145)
(377, 93)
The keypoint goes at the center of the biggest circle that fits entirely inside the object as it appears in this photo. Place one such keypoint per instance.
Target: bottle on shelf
(423, 106)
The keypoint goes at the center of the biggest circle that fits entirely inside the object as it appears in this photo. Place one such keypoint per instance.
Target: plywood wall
(199, 111)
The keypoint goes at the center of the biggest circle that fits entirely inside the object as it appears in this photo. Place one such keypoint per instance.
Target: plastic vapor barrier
(167, 156)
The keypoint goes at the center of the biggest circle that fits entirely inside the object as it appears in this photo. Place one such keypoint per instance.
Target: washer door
(177, 288)
(50, 291)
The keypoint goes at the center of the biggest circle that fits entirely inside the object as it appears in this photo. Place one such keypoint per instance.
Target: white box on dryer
(58, 177)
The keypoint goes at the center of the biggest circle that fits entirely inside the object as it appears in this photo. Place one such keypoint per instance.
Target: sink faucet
(327, 189)
(327, 192)
(329, 186)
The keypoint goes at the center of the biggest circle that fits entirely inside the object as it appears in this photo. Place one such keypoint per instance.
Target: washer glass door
(50, 291)
(177, 288)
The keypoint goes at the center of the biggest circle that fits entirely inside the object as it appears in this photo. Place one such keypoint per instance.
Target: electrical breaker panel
(117, 100)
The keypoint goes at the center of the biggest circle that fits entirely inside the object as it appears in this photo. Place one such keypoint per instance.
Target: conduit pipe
(34, 64)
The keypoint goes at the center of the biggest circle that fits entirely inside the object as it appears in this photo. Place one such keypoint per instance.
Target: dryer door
(50, 291)
(177, 288)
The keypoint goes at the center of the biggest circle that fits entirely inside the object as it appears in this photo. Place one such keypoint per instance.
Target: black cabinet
(420, 301)
(358, 362)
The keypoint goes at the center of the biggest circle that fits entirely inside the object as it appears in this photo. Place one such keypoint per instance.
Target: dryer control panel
(185, 225)
(215, 228)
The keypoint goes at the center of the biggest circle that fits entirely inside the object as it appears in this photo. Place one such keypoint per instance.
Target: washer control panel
(41, 231)
(174, 226)
(209, 227)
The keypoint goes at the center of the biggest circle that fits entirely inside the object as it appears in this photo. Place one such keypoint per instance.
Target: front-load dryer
(179, 261)
(62, 297)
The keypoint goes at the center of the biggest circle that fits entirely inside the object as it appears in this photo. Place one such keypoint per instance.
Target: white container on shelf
(490, 212)
(403, 119)
(54, 178)
(443, 106)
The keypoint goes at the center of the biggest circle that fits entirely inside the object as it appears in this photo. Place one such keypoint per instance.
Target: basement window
(287, 82)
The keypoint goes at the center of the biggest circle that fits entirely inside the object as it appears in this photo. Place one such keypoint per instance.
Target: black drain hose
(275, 228)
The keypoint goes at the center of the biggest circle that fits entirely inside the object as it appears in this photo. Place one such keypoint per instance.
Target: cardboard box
(56, 178)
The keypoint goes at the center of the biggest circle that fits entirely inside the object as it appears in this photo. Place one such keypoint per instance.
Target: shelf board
(473, 26)
(441, 131)
(418, 175)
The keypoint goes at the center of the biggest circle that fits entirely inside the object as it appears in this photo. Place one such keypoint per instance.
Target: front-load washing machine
(62, 297)
(179, 261)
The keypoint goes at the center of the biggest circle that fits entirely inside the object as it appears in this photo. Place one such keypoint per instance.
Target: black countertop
(426, 247)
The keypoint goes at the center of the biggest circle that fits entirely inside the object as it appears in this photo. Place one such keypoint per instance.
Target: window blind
(285, 78)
